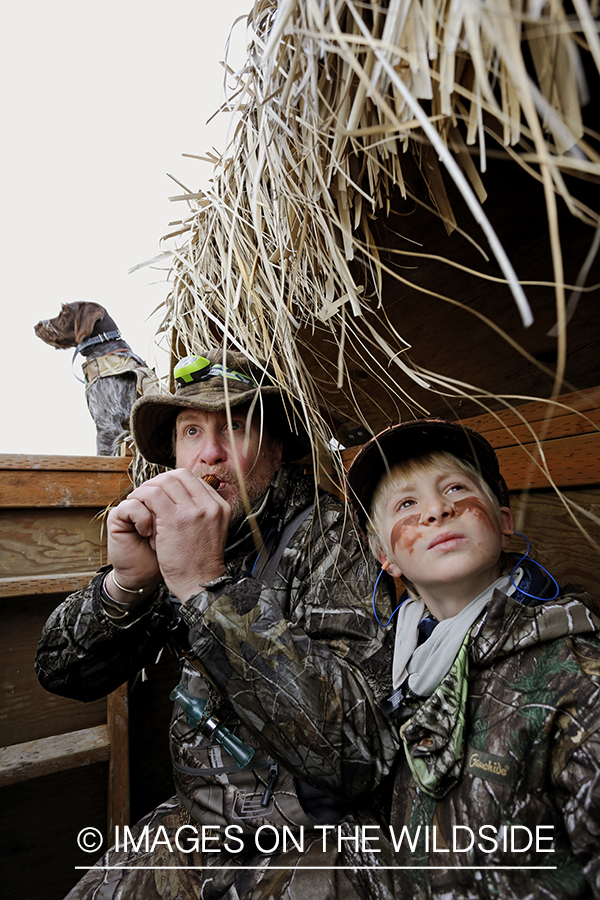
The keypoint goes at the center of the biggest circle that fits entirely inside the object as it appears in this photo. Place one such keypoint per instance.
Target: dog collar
(97, 339)
(89, 342)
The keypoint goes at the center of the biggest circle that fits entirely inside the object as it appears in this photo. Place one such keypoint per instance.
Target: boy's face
(445, 536)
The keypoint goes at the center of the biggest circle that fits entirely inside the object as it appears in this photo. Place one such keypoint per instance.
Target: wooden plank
(35, 488)
(572, 462)
(572, 457)
(586, 402)
(27, 711)
(556, 541)
(64, 463)
(117, 715)
(50, 542)
(32, 759)
(44, 584)
(558, 426)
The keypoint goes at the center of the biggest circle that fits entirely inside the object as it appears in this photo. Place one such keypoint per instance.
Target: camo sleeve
(84, 654)
(576, 758)
(295, 659)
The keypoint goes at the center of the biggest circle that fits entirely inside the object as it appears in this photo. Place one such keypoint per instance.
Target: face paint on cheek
(478, 508)
(404, 534)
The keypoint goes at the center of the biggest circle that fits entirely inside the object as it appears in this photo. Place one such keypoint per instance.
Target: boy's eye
(405, 504)
(456, 487)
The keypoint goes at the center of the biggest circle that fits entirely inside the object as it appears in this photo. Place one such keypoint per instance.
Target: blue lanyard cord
(516, 566)
(375, 611)
(539, 565)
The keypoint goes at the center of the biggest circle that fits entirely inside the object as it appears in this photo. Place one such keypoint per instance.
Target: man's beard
(256, 485)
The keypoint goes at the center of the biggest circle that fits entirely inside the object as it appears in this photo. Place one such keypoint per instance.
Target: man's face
(444, 534)
(205, 444)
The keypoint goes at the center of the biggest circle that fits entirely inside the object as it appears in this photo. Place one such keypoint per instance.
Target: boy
(495, 681)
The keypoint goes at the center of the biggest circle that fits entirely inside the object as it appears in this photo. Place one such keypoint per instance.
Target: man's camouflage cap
(200, 384)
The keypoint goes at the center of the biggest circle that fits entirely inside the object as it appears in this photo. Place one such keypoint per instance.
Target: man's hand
(173, 526)
(131, 549)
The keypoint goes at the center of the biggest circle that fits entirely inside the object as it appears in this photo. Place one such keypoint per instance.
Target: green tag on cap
(190, 369)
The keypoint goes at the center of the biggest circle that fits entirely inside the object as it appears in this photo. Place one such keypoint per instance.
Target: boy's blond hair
(399, 473)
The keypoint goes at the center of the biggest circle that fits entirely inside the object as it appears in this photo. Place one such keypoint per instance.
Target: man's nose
(213, 450)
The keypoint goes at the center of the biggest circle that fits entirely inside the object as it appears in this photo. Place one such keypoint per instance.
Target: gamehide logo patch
(489, 767)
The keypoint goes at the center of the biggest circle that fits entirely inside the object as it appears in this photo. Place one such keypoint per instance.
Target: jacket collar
(508, 626)
(289, 492)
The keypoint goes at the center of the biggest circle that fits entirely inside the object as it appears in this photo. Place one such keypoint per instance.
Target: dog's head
(72, 325)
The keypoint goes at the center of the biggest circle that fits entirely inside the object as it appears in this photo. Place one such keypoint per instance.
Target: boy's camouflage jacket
(290, 661)
(519, 747)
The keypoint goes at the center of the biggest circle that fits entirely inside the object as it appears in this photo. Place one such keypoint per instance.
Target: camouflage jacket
(290, 661)
(504, 762)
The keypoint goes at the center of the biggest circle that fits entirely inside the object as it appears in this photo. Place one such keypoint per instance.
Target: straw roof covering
(362, 127)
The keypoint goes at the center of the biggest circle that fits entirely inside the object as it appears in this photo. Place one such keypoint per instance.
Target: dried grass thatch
(335, 101)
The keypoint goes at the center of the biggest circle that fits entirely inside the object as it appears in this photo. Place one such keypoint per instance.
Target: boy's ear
(388, 566)
(507, 525)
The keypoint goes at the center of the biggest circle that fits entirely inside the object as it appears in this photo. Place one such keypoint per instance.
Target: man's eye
(191, 430)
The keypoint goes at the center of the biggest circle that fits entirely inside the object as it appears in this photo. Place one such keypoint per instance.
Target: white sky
(99, 102)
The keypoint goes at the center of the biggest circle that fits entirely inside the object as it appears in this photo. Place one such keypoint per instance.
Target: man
(262, 582)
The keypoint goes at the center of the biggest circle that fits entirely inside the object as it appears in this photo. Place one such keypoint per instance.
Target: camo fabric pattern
(290, 658)
(297, 665)
(530, 757)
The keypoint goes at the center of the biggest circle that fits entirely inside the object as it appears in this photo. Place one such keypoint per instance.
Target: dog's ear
(85, 318)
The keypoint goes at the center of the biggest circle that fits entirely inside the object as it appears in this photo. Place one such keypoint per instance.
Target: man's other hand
(178, 526)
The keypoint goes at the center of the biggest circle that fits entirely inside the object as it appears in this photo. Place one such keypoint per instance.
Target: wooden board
(47, 481)
(27, 711)
(571, 414)
(42, 462)
(556, 541)
(44, 584)
(59, 753)
(571, 461)
(119, 805)
(22, 489)
(568, 434)
(50, 542)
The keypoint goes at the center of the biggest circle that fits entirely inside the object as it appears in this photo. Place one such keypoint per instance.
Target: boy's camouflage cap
(201, 386)
(416, 438)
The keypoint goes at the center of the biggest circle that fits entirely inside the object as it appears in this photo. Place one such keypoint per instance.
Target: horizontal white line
(295, 868)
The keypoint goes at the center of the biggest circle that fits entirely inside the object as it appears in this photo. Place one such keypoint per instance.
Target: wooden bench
(51, 543)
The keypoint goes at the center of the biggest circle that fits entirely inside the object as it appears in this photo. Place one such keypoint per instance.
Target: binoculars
(212, 727)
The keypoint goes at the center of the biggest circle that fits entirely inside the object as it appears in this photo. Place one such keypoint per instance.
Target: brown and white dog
(114, 376)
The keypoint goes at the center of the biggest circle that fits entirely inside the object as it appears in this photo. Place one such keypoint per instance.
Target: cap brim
(153, 420)
(416, 438)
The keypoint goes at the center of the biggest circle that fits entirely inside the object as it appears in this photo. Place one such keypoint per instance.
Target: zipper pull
(273, 773)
